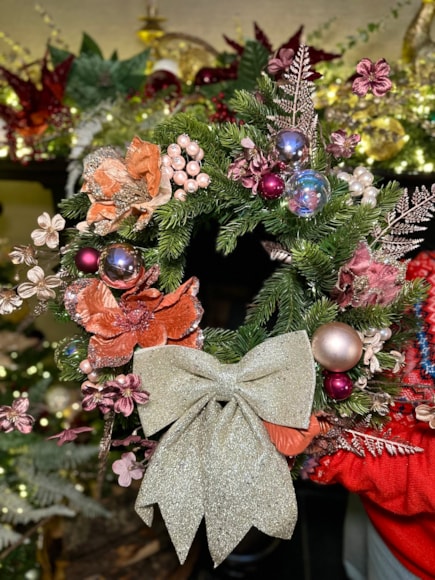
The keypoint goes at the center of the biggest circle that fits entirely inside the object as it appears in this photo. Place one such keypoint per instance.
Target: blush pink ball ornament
(338, 386)
(192, 149)
(203, 180)
(183, 140)
(87, 260)
(179, 177)
(336, 346)
(271, 186)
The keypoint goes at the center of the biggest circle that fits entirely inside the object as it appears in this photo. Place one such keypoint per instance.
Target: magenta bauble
(338, 386)
(271, 186)
(87, 260)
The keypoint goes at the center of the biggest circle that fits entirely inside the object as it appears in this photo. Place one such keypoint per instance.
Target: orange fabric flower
(143, 316)
(118, 188)
(290, 441)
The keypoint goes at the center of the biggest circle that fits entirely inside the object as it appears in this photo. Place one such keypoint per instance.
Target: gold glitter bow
(216, 460)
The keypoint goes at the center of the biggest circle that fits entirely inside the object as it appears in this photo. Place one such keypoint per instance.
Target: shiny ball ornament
(336, 346)
(59, 397)
(293, 148)
(120, 266)
(271, 186)
(87, 260)
(307, 192)
(383, 138)
(338, 386)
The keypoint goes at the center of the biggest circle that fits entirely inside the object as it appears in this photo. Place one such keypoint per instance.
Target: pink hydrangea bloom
(365, 281)
(127, 393)
(97, 396)
(372, 77)
(127, 468)
(14, 417)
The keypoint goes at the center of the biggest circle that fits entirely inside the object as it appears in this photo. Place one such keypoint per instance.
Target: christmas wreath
(218, 421)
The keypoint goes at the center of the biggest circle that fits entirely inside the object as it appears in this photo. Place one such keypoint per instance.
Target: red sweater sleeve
(397, 492)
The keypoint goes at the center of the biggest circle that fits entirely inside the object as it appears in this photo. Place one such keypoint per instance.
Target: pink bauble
(166, 161)
(183, 140)
(179, 177)
(190, 186)
(336, 346)
(178, 162)
(192, 149)
(173, 150)
(180, 195)
(167, 171)
(193, 168)
(338, 386)
(203, 180)
(85, 366)
(87, 260)
(200, 155)
(271, 186)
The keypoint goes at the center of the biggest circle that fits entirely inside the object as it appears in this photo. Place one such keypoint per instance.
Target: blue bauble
(293, 147)
(120, 266)
(307, 192)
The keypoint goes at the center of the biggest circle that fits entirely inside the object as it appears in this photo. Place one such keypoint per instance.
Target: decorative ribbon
(216, 460)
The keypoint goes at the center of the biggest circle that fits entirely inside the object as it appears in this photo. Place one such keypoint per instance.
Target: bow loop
(216, 460)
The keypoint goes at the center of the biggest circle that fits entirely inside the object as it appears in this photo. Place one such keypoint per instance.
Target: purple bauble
(293, 147)
(87, 260)
(271, 186)
(338, 386)
(120, 266)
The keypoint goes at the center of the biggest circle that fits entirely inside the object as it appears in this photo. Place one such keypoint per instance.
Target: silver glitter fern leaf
(359, 443)
(410, 212)
(297, 104)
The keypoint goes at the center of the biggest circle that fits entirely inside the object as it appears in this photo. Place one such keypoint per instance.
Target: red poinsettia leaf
(260, 36)
(294, 41)
(25, 90)
(317, 55)
(239, 48)
(54, 81)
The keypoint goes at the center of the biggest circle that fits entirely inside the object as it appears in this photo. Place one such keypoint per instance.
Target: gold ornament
(383, 138)
(189, 53)
(418, 47)
(336, 346)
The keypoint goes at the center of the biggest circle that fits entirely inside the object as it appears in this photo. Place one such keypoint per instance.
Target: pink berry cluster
(182, 163)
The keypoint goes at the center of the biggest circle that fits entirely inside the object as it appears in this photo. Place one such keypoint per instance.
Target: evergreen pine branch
(171, 273)
(8, 537)
(254, 59)
(281, 289)
(247, 217)
(375, 316)
(320, 312)
(314, 265)
(251, 110)
(17, 511)
(218, 342)
(75, 207)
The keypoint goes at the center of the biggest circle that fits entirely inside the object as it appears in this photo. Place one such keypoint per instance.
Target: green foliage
(94, 79)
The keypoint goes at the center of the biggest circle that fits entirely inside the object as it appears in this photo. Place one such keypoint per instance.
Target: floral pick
(372, 77)
(39, 107)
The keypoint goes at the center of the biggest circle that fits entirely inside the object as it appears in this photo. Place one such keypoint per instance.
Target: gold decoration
(216, 461)
(418, 47)
(190, 53)
(383, 139)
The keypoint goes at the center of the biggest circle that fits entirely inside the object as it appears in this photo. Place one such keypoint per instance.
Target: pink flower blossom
(127, 468)
(373, 77)
(68, 435)
(364, 281)
(14, 417)
(342, 145)
(127, 393)
(250, 166)
(280, 62)
(97, 396)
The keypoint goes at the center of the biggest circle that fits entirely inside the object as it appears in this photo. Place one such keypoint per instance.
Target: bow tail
(174, 481)
(248, 483)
